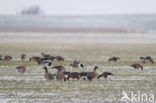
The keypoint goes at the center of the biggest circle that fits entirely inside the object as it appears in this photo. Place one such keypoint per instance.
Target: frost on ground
(33, 88)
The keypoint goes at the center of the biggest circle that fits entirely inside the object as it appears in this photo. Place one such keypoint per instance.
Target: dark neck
(46, 70)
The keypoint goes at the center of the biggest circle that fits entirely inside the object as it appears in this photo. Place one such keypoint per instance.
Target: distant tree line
(32, 10)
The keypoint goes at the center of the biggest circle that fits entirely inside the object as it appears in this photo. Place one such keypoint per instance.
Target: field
(32, 87)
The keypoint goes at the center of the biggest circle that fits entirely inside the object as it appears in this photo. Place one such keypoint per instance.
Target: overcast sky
(81, 7)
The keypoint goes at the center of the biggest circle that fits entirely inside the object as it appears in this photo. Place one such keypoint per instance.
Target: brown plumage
(60, 73)
(137, 66)
(23, 56)
(91, 75)
(7, 58)
(35, 58)
(74, 75)
(59, 58)
(105, 75)
(60, 76)
(21, 69)
(59, 68)
(114, 59)
(48, 76)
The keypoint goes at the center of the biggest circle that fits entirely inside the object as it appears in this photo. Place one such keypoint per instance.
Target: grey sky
(81, 7)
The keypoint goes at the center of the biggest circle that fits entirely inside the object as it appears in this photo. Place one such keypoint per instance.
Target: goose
(74, 75)
(77, 64)
(23, 56)
(60, 73)
(137, 66)
(35, 58)
(83, 75)
(7, 58)
(44, 62)
(59, 58)
(59, 68)
(48, 76)
(21, 69)
(148, 58)
(113, 59)
(52, 58)
(45, 55)
(91, 75)
(105, 75)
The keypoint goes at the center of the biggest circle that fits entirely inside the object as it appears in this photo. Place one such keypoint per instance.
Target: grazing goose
(7, 58)
(114, 59)
(52, 58)
(83, 75)
(23, 56)
(60, 73)
(74, 75)
(91, 75)
(105, 75)
(35, 58)
(148, 58)
(59, 58)
(48, 76)
(137, 66)
(21, 69)
(44, 62)
(77, 64)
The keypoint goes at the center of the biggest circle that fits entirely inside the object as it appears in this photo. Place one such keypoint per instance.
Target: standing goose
(105, 75)
(21, 69)
(60, 73)
(91, 75)
(137, 66)
(48, 76)
(23, 56)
